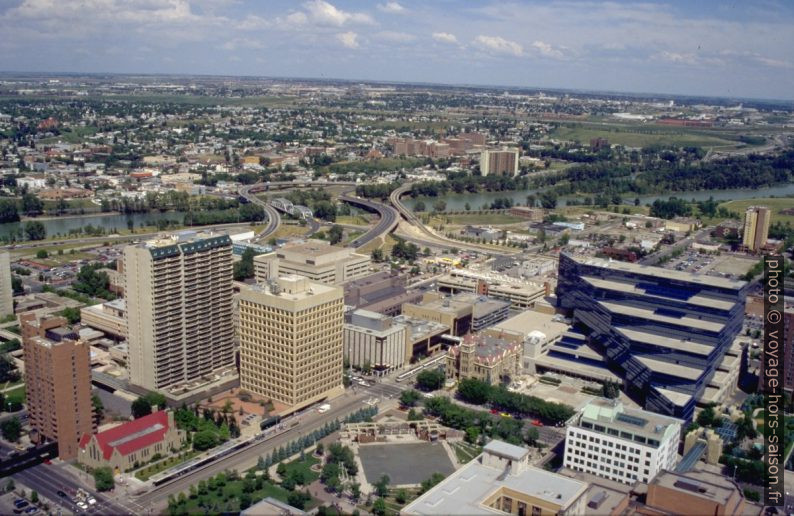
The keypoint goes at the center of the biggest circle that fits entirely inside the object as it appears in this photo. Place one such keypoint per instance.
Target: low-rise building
(520, 293)
(622, 444)
(500, 480)
(130, 444)
(485, 357)
(696, 492)
(316, 259)
(108, 317)
(375, 340)
(381, 292)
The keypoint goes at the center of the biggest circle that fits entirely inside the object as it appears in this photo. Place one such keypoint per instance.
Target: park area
(404, 464)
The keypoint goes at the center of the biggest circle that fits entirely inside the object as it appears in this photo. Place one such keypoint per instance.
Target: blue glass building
(663, 331)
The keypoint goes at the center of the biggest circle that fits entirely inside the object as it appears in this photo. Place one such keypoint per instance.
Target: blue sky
(738, 48)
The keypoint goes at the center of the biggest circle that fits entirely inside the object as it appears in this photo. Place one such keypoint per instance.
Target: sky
(694, 47)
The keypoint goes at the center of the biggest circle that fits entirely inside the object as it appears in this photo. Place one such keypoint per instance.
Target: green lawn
(776, 204)
(17, 395)
(305, 467)
(466, 452)
(640, 136)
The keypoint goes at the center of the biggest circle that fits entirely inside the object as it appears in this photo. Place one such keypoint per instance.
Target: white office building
(376, 340)
(622, 444)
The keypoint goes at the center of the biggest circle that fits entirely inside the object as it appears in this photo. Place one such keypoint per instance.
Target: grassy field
(466, 452)
(17, 395)
(480, 220)
(227, 498)
(304, 466)
(289, 230)
(776, 204)
(354, 220)
(640, 136)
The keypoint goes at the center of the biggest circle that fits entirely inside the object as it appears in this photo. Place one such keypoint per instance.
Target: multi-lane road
(273, 217)
(388, 219)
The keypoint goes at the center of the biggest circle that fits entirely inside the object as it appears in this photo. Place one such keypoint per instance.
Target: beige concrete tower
(6, 290)
(291, 341)
(756, 227)
(179, 309)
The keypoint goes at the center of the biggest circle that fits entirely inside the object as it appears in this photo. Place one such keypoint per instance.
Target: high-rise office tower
(666, 332)
(58, 382)
(756, 227)
(179, 309)
(291, 340)
(6, 290)
(499, 162)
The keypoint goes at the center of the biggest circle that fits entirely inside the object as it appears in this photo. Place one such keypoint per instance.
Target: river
(110, 223)
(457, 202)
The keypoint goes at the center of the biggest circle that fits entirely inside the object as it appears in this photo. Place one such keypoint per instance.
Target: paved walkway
(317, 490)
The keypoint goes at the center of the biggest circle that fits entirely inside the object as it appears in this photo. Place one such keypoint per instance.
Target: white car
(82, 505)
(91, 500)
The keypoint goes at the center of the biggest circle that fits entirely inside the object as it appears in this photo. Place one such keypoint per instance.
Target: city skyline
(666, 48)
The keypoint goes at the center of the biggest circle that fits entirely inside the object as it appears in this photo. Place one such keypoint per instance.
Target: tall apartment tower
(756, 227)
(291, 340)
(58, 382)
(6, 290)
(179, 309)
(499, 162)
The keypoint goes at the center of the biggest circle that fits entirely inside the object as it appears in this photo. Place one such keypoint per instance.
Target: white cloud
(546, 50)
(324, 13)
(392, 7)
(348, 39)
(676, 57)
(395, 36)
(445, 37)
(499, 45)
(234, 44)
(774, 63)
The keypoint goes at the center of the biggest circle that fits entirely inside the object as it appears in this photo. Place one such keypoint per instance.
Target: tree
(473, 391)
(99, 408)
(244, 269)
(548, 200)
(401, 497)
(335, 234)
(103, 479)
(72, 314)
(42, 254)
(472, 434)
(532, 436)
(142, 407)
(430, 379)
(428, 484)
(355, 491)
(440, 206)
(419, 206)
(35, 230)
(377, 255)
(298, 499)
(11, 429)
(379, 507)
(409, 398)
(382, 486)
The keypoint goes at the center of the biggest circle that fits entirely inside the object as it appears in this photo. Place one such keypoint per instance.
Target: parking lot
(25, 507)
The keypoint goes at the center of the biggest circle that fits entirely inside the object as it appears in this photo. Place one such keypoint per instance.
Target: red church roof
(131, 436)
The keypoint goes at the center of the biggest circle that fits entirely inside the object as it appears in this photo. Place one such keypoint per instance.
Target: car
(494, 411)
(81, 504)
(91, 500)
(536, 422)
(31, 509)
(61, 494)
(505, 414)
(19, 503)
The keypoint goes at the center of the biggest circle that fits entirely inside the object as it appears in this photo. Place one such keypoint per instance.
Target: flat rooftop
(632, 288)
(652, 315)
(671, 369)
(702, 484)
(528, 321)
(463, 492)
(660, 272)
(665, 342)
(634, 421)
